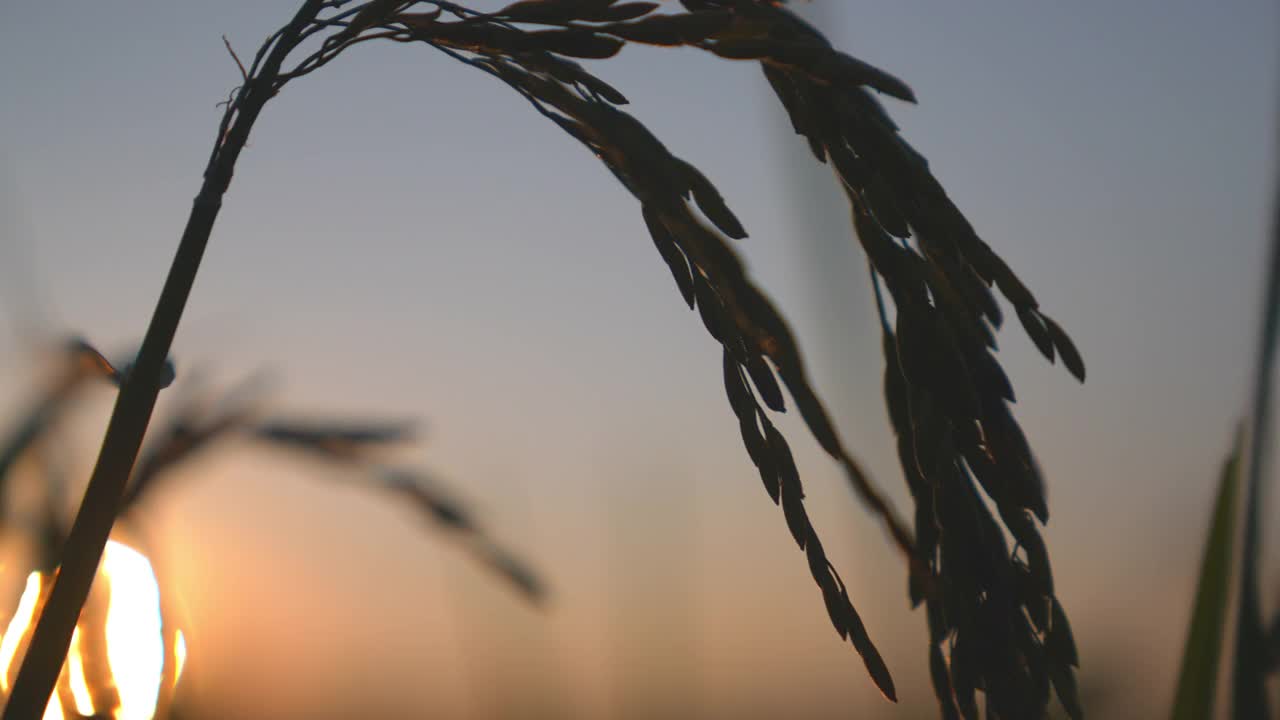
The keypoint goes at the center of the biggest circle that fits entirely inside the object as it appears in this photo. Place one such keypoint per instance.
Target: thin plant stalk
(1249, 696)
(88, 537)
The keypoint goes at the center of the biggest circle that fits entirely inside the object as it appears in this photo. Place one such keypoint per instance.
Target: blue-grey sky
(406, 237)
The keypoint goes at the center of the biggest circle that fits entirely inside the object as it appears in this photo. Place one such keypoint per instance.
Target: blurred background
(405, 238)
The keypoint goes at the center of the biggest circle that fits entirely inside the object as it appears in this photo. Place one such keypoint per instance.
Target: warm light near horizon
(134, 640)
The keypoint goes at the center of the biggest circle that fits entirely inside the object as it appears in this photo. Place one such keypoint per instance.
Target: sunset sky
(406, 238)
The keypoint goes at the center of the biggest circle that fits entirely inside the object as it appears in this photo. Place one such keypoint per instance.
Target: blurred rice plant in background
(1255, 655)
(109, 672)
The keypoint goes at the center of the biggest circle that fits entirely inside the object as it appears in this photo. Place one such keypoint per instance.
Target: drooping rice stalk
(993, 607)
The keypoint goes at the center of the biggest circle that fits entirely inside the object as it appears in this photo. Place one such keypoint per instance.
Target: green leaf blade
(1198, 678)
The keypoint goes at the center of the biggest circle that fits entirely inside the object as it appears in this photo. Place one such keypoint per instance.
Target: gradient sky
(406, 238)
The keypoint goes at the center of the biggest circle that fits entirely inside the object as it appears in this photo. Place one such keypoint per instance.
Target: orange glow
(18, 627)
(53, 711)
(179, 655)
(133, 641)
(79, 683)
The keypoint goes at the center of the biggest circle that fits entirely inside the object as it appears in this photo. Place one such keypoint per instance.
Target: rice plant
(995, 625)
(1256, 653)
(199, 422)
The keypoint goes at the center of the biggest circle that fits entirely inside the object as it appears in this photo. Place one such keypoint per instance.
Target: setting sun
(119, 673)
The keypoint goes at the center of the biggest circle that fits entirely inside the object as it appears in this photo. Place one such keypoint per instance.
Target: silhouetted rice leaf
(96, 364)
(926, 528)
(964, 676)
(790, 490)
(939, 631)
(817, 60)
(670, 253)
(744, 48)
(1037, 666)
(765, 383)
(551, 11)
(895, 386)
(1060, 643)
(1024, 531)
(571, 73)
(978, 295)
(1007, 440)
(794, 513)
(711, 204)
(683, 29)
(1064, 684)
(877, 80)
(576, 42)
(1037, 331)
(797, 107)
(942, 683)
(844, 68)
(815, 416)
(945, 281)
(708, 307)
(1198, 678)
(735, 386)
(1028, 490)
(563, 12)
(1040, 611)
(431, 502)
(447, 512)
(515, 571)
(890, 261)
(990, 378)
(1010, 286)
(1066, 349)
(747, 411)
(786, 92)
(871, 658)
(1006, 463)
(92, 361)
(852, 171)
(603, 89)
(334, 438)
(845, 617)
(949, 371)
(878, 198)
(760, 452)
(820, 570)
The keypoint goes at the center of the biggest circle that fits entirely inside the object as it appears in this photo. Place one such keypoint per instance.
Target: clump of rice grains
(995, 624)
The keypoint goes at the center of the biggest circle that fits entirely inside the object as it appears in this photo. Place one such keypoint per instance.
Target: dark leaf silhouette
(344, 440)
(1066, 349)
(199, 422)
(353, 443)
(424, 493)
